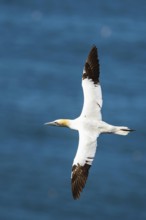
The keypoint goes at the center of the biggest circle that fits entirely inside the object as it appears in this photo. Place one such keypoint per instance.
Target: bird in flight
(89, 124)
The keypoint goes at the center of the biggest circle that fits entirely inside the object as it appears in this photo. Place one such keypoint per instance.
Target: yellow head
(59, 122)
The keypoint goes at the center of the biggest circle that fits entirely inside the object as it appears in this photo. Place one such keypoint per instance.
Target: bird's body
(89, 124)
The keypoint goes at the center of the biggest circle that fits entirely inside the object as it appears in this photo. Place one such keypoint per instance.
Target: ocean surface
(43, 47)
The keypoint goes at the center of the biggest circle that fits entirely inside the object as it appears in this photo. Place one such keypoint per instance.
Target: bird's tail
(122, 130)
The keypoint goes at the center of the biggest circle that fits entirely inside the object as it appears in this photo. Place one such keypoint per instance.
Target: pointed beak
(50, 123)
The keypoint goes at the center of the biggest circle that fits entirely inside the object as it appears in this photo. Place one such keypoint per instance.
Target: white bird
(89, 124)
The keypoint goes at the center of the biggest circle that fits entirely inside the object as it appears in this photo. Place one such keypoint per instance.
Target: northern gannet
(89, 124)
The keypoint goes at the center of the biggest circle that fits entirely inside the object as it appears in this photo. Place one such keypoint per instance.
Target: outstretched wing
(83, 161)
(91, 87)
(92, 112)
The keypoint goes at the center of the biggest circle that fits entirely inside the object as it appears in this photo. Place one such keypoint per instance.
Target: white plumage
(92, 100)
(89, 124)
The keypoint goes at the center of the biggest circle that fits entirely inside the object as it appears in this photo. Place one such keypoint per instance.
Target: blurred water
(43, 46)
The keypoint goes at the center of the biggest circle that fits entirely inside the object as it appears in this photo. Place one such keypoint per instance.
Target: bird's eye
(56, 123)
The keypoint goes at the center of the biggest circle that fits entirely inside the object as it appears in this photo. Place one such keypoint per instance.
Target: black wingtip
(79, 178)
(93, 47)
(91, 69)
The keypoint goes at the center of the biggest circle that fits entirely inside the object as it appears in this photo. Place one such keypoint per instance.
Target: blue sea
(43, 47)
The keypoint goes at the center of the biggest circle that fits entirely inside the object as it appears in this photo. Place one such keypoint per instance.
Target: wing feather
(87, 134)
(83, 161)
(91, 87)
